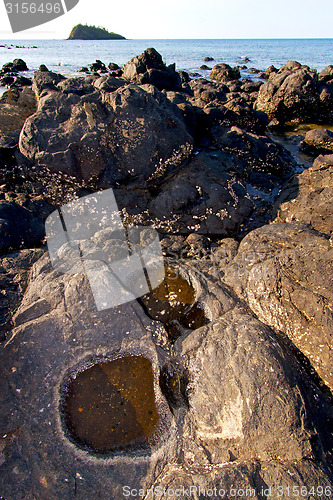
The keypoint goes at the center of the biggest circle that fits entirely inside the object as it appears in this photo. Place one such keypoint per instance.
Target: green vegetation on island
(85, 32)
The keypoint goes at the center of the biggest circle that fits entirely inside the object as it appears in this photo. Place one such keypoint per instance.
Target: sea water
(67, 56)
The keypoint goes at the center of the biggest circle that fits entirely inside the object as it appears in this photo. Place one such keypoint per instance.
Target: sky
(160, 19)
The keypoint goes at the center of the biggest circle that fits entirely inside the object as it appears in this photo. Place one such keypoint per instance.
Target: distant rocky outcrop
(85, 32)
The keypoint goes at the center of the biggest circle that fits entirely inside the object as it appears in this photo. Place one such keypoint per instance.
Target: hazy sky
(191, 19)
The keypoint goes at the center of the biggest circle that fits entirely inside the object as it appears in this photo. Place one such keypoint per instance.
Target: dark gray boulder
(236, 111)
(45, 80)
(113, 66)
(250, 86)
(184, 77)
(14, 67)
(108, 83)
(205, 91)
(22, 81)
(221, 106)
(7, 80)
(290, 93)
(283, 272)
(107, 137)
(150, 68)
(148, 136)
(295, 93)
(224, 73)
(19, 65)
(98, 66)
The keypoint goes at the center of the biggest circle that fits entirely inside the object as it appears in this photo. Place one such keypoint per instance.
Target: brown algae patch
(111, 405)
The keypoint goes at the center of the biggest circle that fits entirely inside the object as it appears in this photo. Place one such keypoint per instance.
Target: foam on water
(187, 54)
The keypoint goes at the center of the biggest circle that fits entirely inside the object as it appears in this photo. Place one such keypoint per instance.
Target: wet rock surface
(221, 376)
(308, 197)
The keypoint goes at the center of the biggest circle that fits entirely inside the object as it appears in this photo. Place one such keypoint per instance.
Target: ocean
(67, 56)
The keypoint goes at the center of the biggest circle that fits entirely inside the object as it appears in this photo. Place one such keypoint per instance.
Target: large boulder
(205, 91)
(79, 86)
(308, 197)
(238, 411)
(284, 273)
(265, 75)
(14, 67)
(127, 134)
(19, 65)
(294, 93)
(318, 140)
(150, 68)
(108, 83)
(217, 192)
(224, 73)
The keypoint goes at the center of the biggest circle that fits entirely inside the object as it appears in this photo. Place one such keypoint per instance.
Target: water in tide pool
(67, 56)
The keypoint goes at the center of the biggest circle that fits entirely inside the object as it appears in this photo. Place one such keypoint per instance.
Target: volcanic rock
(124, 134)
(294, 93)
(326, 74)
(283, 272)
(15, 107)
(308, 197)
(150, 68)
(224, 73)
(318, 141)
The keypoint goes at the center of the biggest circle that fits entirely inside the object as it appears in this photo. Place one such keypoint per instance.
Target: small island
(85, 32)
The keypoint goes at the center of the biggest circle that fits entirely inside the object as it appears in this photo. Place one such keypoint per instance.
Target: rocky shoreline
(244, 371)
